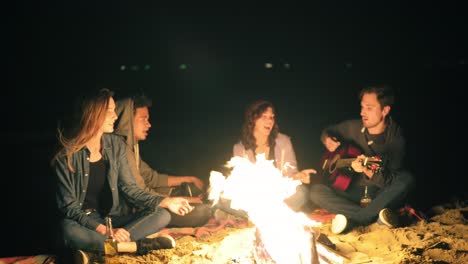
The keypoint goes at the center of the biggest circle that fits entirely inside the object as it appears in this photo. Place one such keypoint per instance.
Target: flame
(260, 190)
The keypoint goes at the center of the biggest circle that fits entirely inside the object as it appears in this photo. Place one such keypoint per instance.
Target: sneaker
(339, 224)
(80, 257)
(388, 218)
(161, 241)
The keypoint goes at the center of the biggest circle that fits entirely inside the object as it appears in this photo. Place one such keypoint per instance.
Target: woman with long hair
(93, 175)
(261, 136)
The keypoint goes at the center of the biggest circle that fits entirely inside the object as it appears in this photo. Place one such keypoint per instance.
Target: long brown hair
(93, 114)
(253, 112)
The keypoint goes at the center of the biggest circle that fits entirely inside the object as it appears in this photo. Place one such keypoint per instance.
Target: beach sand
(442, 238)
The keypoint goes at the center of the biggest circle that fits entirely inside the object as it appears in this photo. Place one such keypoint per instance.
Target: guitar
(336, 165)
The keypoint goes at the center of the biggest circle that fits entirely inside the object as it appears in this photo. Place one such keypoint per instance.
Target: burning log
(282, 235)
(328, 255)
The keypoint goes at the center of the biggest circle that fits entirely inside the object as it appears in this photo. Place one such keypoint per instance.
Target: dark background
(56, 51)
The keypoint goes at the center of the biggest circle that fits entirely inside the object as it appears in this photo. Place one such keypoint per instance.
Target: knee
(70, 232)
(199, 216)
(164, 217)
(79, 237)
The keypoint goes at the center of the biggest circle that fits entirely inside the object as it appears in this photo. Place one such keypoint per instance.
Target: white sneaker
(160, 241)
(339, 224)
(80, 257)
(165, 241)
(388, 218)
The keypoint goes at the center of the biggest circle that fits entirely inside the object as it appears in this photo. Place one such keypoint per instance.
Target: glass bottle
(366, 199)
(110, 244)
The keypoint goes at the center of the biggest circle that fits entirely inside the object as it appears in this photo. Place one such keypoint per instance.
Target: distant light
(183, 66)
(135, 68)
(268, 65)
(147, 67)
(123, 67)
(287, 66)
(348, 65)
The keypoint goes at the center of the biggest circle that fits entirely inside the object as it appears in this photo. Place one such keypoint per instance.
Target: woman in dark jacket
(92, 173)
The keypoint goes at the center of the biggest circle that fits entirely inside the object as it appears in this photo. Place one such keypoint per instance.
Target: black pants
(199, 216)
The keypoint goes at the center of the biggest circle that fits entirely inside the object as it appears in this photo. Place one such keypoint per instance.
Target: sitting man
(133, 123)
(377, 135)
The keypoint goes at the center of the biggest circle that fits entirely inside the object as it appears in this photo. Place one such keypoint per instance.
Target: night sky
(203, 65)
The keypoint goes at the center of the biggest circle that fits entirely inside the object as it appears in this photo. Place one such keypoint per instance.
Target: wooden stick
(333, 256)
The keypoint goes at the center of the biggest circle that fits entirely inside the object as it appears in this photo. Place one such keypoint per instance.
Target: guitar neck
(342, 163)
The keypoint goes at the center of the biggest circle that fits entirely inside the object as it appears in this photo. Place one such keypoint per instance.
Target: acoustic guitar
(336, 165)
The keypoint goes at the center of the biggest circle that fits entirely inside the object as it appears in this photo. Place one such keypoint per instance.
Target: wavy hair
(93, 114)
(253, 112)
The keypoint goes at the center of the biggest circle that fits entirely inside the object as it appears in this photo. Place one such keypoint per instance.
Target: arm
(392, 162)
(177, 205)
(286, 157)
(127, 184)
(153, 179)
(67, 198)
(348, 131)
(392, 154)
(178, 180)
(238, 150)
(290, 158)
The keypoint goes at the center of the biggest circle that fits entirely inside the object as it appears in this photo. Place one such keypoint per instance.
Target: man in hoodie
(376, 135)
(133, 123)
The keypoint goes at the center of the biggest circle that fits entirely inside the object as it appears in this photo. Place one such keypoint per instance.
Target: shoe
(388, 218)
(80, 257)
(161, 241)
(339, 224)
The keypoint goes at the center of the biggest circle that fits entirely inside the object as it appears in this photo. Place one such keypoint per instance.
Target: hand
(121, 235)
(357, 166)
(177, 205)
(304, 175)
(198, 183)
(101, 229)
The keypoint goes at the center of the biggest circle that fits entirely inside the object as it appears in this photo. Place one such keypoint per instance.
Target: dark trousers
(199, 216)
(347, 202)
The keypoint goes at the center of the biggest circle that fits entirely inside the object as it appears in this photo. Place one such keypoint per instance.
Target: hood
(124, 122)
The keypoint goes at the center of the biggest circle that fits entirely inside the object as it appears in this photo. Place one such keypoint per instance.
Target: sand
(441, 239)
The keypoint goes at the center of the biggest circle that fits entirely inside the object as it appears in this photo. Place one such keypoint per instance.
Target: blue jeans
(139, 225)
(347, 203)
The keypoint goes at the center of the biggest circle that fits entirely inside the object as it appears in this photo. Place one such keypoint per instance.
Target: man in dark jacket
(376, 135)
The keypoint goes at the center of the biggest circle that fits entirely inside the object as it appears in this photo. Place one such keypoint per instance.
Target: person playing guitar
(376, 134)
(342, 162)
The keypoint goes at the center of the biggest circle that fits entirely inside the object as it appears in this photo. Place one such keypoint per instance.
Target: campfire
(281, 235)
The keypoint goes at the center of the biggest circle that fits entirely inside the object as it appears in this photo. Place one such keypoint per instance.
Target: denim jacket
(71, 187)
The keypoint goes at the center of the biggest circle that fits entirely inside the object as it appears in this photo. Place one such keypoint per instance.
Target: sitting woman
(260, 135)
(93, 174)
